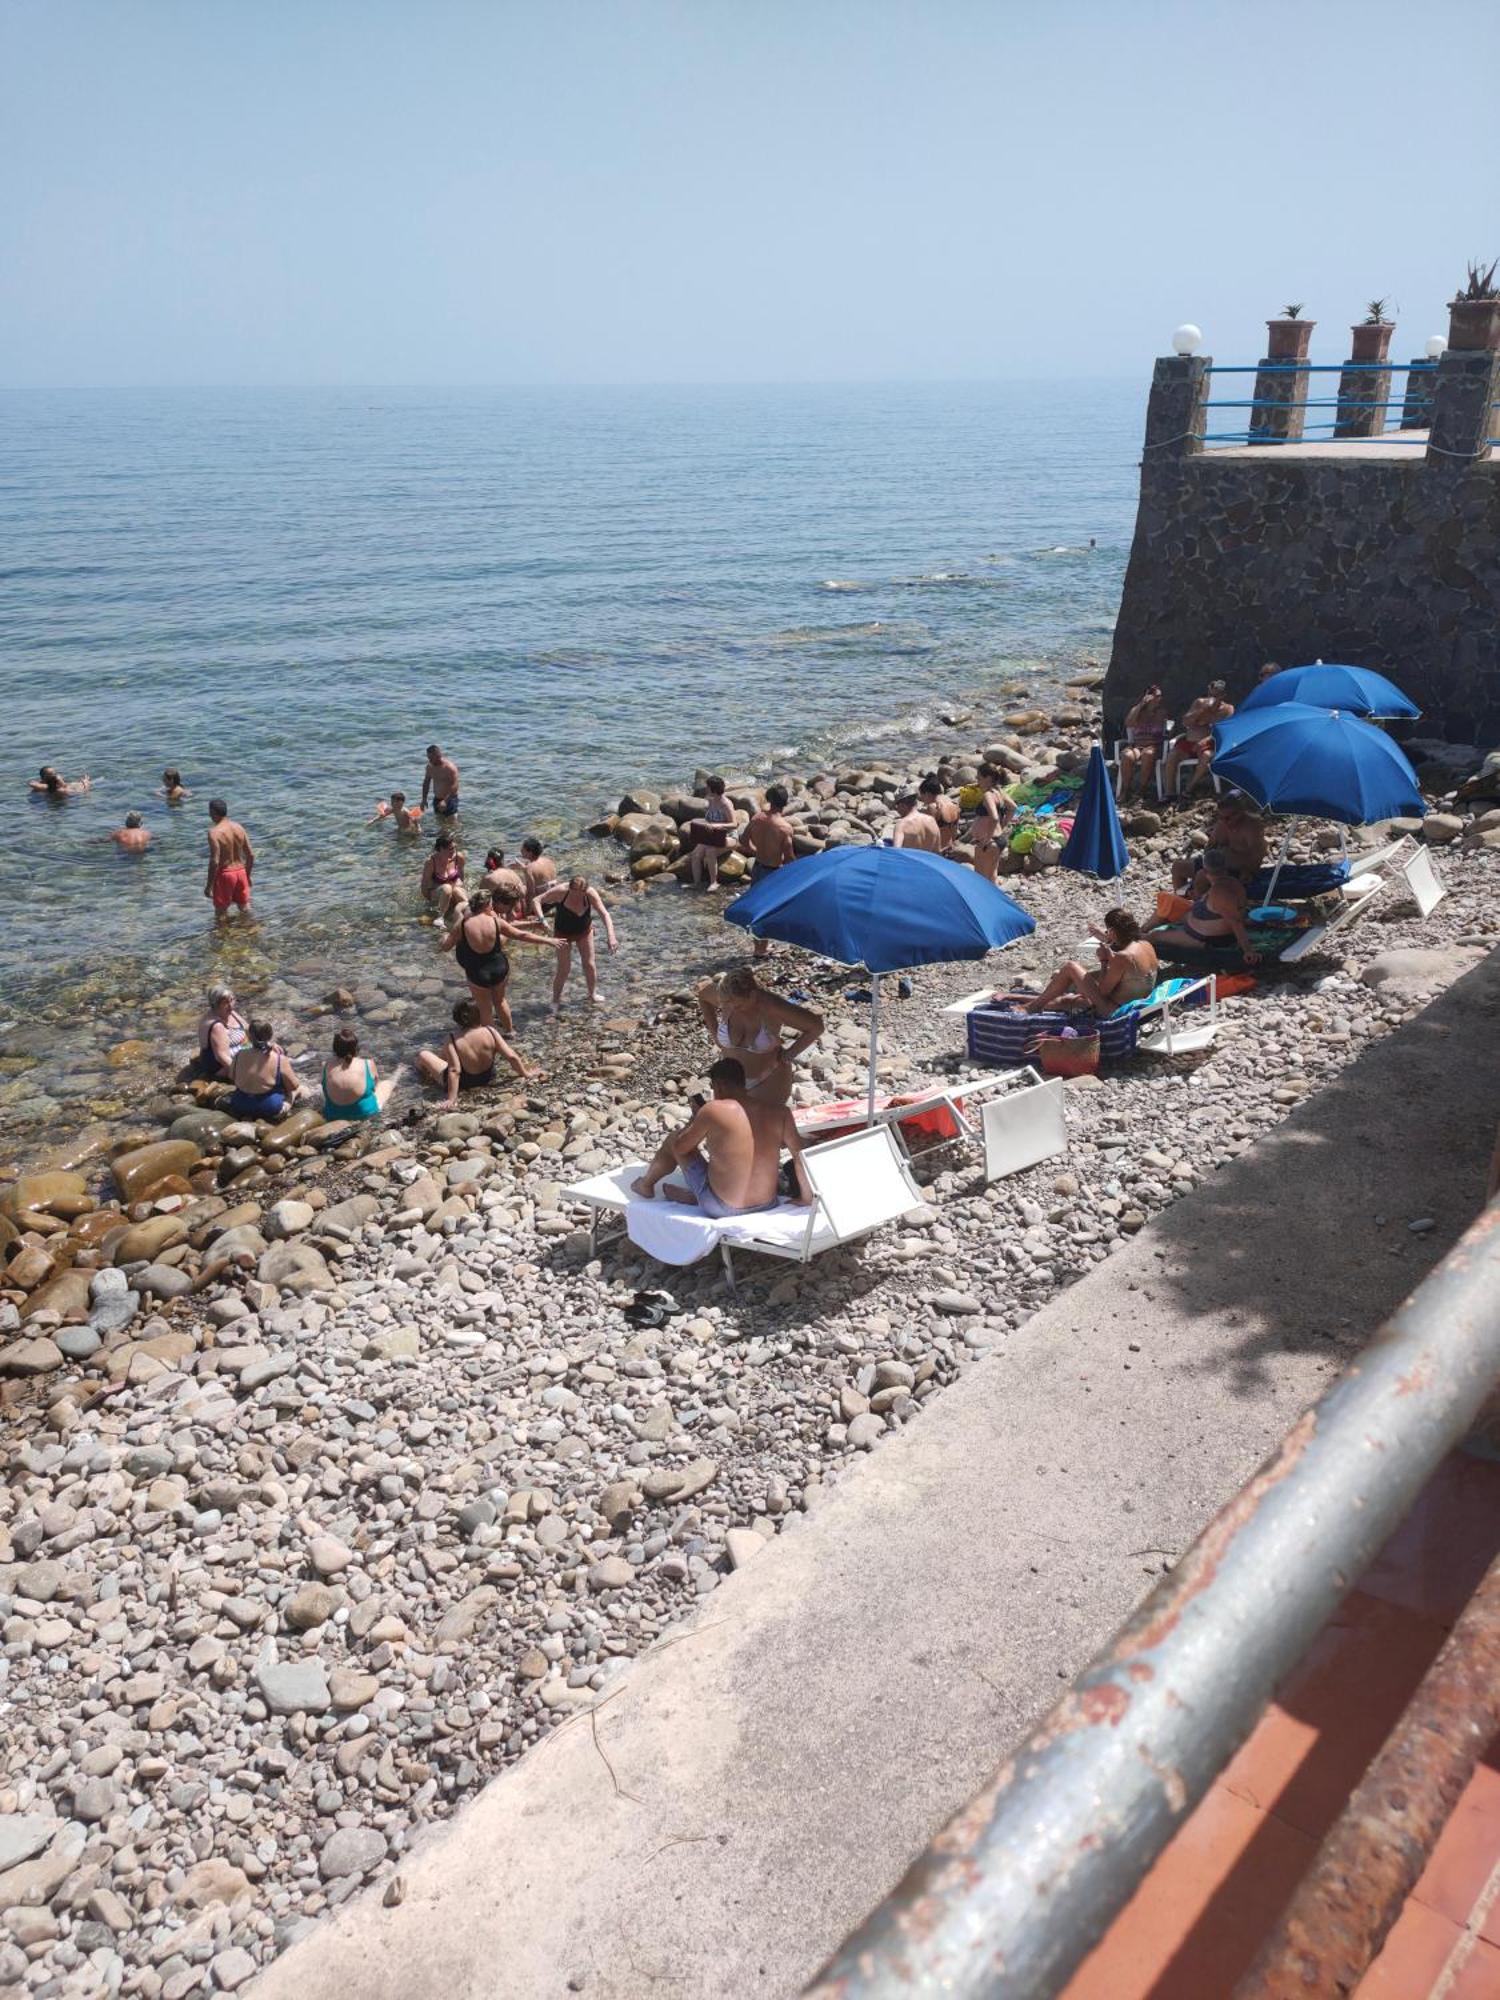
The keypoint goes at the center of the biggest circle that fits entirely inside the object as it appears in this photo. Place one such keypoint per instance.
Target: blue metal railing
(1396, 407)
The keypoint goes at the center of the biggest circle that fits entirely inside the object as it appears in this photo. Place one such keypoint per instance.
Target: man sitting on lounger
(742, 1137)
(1216, 920)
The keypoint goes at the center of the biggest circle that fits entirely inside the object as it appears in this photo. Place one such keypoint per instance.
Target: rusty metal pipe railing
(1371, 1857)
(1012, 1895)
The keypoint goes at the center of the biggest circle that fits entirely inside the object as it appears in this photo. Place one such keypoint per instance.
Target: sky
(676, 191)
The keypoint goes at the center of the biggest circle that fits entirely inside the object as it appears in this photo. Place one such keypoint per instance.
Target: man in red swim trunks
(231, 862)
(1197, 739)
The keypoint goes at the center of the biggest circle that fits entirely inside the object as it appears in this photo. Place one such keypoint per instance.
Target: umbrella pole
(1286, 848)
(874, 1044)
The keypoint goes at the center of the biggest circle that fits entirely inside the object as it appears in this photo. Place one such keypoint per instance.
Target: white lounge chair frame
(837, 1215)
(1374, 873)
(963, 1099)
(1025, 1128)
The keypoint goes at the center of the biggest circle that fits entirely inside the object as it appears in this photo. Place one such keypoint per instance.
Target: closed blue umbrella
(1296, 759)
(885, 908)
(1354, 690)
(1096, 846)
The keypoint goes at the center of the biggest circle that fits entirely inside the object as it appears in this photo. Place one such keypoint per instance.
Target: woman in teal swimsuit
(351, 1085)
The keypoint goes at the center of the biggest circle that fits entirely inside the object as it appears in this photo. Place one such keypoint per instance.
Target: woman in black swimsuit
(468, 1058)
(574, 909)
(477, 941)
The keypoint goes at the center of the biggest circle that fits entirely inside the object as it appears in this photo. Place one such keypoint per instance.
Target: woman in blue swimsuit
(351, 1084)
(264, 1081)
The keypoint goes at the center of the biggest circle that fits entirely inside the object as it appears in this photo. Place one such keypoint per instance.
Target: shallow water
(289, 593)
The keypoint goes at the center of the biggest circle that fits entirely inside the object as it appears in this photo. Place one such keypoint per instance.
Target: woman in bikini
(477, 941)
(468, 1058)
(710, 834)
(443, 877)
(352, 1085)
(222, 1033)
(1217, 919)
(1126, 970)
(993, 814)
(1145, 732)
(265, 1084)
(574, 909)
(743, 1020)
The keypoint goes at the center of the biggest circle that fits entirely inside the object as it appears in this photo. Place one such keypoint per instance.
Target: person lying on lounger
(729, 1152)
(1218, 913)
(1126, 971)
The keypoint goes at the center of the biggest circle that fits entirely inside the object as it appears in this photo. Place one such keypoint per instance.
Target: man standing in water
(767, 838)
(441, 779)
(231, 862)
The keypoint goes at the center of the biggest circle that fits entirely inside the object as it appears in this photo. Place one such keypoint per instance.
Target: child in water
(408, 818)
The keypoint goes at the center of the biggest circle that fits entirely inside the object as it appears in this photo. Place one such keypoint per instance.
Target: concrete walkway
(761, 1779)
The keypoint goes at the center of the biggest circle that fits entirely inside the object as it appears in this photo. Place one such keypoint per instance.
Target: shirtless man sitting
(937, 805)
(441, 779)
(132, 836)
(915, 828)
(1197, 739)
(1242, 835)
(743, 1137)
(231, 862)
(767, 839)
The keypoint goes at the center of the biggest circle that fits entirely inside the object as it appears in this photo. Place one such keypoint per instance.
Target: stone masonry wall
(1240, 558)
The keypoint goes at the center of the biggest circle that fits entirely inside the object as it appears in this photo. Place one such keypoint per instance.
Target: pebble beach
(336, 1475)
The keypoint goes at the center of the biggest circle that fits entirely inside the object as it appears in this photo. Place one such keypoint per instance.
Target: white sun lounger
(1404, 860)
(962, 1099)
(859, 1183)
(1027, 1127)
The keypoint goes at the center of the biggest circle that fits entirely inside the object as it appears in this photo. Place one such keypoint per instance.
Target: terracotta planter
(1474, 325)
(1371, 343)
(1288, 339)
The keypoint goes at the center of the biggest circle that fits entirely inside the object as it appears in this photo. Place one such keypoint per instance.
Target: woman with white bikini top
(746, 1021)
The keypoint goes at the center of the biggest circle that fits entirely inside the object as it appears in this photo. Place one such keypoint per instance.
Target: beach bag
(1067, 1054)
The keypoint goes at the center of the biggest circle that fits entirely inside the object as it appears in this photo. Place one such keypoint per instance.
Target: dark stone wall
(1244, 557)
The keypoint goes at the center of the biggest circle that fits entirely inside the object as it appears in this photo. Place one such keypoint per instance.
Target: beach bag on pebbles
(1066, 1054)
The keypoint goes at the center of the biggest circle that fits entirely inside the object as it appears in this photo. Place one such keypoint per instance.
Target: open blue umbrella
(1354, 690)
(1296, 759)
(1096, 845)
(885, 908)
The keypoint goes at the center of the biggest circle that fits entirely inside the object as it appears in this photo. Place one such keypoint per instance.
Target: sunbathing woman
(477, 941)
(1126, 971)
(443, 877)
(468, 1058)
(743, 1020)
(1145, 732)
(1217, 917)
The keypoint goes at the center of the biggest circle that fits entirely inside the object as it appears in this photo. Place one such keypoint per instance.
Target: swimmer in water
(132, 837)
(408, 819)
(173, 790)
(50, 783)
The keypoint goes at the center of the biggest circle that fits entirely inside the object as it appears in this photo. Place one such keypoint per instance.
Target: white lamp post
(1187, 339)
(1437, 347)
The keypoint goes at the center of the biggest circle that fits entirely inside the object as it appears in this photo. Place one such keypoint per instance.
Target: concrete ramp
(764, 1776)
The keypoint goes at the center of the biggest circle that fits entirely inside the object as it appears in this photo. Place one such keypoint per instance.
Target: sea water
(289, 593)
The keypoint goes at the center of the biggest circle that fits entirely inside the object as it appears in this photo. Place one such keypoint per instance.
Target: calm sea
(289, 593)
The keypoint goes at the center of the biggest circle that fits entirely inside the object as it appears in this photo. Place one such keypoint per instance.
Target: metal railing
(1396, 406)
(1023, 1882)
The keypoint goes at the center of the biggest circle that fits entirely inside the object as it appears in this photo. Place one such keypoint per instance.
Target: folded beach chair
(1024, 1128)
(944, 1114)
(998, 1035)
(859, 1183)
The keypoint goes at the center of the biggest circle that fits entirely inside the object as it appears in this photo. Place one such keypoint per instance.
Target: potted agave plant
(1372, 336)
(1474, 316)
(1289, 335)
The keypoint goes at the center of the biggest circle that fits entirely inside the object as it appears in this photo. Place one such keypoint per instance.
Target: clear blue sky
(457, 191)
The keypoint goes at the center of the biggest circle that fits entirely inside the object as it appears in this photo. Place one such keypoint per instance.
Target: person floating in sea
(710, 834)
(995, 811)
(1197, 739)
(231, 862)
(744, 1020)
(50, 783)
(265, 1084)
(353, 1087)
(173, 790)
(441, 779)
(729, 1152)
(468, 1058)
(443, 877)
(477, 940)
(539, 869)
(767, 839)
(133, 837)
(914, 827)
(1145, 732)
(408, 819)
(574, 907)
(222, 1033)
(938, 806)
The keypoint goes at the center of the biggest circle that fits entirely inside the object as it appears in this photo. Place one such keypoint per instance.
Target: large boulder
(58, 1193)
(67, 1295)
(294, 1267)
(138, 1171)
(1409, 973)
(144, 1241)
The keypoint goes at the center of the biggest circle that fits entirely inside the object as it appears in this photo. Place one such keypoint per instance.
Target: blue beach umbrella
(1297, 759)
(1353, 690)
(885, 908)
(1096, 846)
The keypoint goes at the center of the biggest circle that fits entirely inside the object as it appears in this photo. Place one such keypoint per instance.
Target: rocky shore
(335, 1475)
